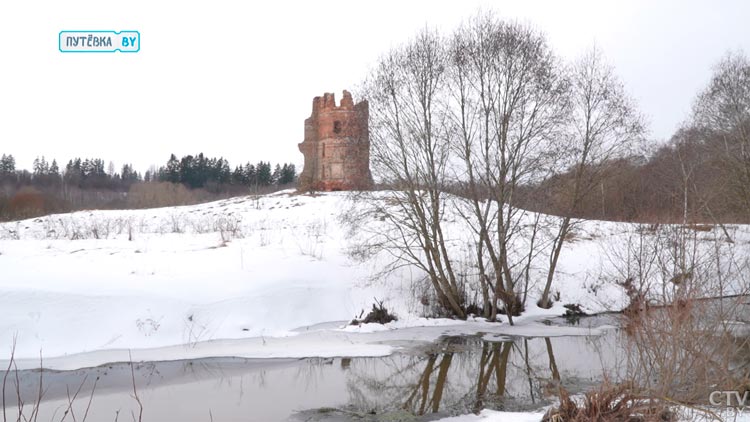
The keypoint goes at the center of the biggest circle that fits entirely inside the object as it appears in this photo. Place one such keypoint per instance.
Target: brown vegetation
(378, 315)
(27, 202)
(609, 403)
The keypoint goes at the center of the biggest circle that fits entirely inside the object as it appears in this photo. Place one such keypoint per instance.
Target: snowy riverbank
(249, 276)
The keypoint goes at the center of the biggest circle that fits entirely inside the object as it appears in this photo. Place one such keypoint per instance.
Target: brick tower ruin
(336, 146)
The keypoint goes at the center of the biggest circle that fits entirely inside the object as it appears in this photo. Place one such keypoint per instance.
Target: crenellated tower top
(336, 145)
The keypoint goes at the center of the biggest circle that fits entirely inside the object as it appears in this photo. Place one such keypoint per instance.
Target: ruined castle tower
(336, 146)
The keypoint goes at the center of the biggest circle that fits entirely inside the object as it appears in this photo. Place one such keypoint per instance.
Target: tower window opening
(336, 126)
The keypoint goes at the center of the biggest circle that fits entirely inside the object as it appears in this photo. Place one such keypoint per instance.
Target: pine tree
(172, 172)
(7, 165)
(238, 176)
(73, 173)
(288, 174)
(128, 175)
(224, 172)
(263, 171)
(54, 170)
(276, 176)
(251, 175)
(40, 167)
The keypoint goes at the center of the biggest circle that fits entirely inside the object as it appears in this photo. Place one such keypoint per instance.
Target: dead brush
(379, 315)
(609, 403)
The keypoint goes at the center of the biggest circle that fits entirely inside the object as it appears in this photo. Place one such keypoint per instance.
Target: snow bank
(487, 415)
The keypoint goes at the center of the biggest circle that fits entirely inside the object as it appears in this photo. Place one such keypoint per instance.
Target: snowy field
(249, 277)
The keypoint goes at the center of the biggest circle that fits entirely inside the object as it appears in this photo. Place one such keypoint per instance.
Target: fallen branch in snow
(379, 315)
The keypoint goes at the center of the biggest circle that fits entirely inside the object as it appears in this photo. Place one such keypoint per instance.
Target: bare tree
(603, 126)
(508, 104)
(476, 114)
(723, 109)
(410, 151)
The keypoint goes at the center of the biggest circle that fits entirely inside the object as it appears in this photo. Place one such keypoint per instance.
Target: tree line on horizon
(90, 183)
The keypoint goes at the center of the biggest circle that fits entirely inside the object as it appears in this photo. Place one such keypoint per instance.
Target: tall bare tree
(508, 102)
(410, 151)
(723, 109)
(603, 125)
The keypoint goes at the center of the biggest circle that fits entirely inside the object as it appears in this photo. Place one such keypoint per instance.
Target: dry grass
(680, 345)
(19, 410)
(685, 350)
(609, 403)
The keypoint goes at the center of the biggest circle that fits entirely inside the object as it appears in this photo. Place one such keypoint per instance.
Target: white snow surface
(689, 415)
(488, 415)
(249, 276)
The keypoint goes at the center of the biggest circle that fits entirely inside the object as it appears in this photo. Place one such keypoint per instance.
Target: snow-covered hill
(248, 276)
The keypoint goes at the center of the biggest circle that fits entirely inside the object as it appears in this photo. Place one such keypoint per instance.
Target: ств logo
(99, 41)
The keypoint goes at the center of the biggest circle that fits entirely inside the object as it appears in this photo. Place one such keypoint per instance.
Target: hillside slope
(249, 276)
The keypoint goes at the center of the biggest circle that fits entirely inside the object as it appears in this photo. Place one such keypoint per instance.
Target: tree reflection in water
(468, 374)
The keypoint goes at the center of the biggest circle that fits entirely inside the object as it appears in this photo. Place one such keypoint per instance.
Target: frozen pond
(455, 375)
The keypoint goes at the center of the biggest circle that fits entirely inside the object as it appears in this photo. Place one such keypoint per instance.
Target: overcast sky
(236, 79)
